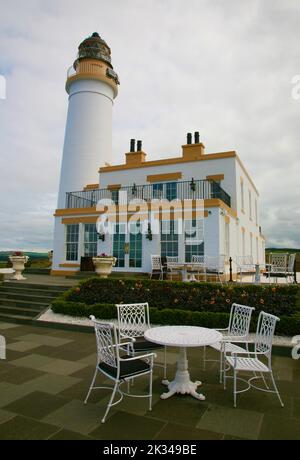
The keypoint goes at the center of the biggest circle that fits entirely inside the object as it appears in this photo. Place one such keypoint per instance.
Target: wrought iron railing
(186, 190)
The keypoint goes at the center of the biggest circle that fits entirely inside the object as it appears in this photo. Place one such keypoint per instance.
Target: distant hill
(33, 255)
(289, 250)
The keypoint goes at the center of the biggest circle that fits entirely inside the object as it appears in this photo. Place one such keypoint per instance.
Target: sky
(223, 68)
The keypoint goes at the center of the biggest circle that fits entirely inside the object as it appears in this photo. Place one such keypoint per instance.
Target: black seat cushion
(141, 344)
(127, 368)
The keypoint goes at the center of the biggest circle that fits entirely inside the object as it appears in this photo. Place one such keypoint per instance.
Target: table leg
(182, 382)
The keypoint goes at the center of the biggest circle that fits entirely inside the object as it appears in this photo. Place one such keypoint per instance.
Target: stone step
(24, 312)
(45, 287)
(34, 292)
(24, 304)
(19, 319)
(26, 297)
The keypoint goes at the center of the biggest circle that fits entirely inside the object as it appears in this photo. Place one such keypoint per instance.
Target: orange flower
(262, 301)
(176, 300)
(228, 300)
(274, 289)
(77, 289)
(212, 302)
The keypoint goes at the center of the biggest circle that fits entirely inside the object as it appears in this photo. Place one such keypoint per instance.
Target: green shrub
(278, 300)
(288, 325)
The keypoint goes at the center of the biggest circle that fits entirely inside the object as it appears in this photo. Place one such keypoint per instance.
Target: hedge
(200, 297)
(288, 325)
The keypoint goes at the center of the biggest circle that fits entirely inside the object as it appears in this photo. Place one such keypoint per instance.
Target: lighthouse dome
(94, 47)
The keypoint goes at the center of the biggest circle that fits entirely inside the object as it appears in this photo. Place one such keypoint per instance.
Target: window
(72, 238)
(119, 244)
(115, 196)
(242, 195)
(250, 205)
(171, 191)
(90, 240)
(169, 238)
(227, 239)
(194, 239)
(166, 190)
(136, 244)
(158, 190)
(243, 243)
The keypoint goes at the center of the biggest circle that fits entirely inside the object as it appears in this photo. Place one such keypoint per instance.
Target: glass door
(128, 245)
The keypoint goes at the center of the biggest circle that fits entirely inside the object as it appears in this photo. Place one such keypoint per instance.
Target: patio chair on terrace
(117, 368)
(237, 331)
(277, 266)
(215, 267)
(172, 266)
(245, 361)
(245, 266)
(156, 267)
(133, 321)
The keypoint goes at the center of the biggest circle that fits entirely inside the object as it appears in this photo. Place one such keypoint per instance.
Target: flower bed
(198, 304)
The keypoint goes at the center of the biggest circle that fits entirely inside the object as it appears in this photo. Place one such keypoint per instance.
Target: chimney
(135, 158)
(190, 151)
(132, 145)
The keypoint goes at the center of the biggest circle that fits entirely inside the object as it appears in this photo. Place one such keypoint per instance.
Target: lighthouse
(92, 86)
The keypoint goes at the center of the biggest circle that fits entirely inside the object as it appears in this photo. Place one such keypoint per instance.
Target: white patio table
(185, 267)
(183, 337)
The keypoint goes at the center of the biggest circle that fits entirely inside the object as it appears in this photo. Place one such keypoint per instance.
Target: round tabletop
(183, 336)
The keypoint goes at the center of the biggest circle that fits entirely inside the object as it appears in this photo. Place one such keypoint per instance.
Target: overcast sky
(223, 68)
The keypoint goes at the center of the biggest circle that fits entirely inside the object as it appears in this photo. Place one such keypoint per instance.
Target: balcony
(185, 190)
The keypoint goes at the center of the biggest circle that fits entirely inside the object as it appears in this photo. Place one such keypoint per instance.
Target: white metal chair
(245, 265)
(277, 266)
(237, 331)
(133, 322)
(172, 266)
(156, 266)
(119, 369)
(215, 266)
(198, 266)
(290, 268)
(252, 362)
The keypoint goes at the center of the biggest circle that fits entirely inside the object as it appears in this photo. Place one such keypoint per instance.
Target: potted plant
(104, 264)
(18, 260)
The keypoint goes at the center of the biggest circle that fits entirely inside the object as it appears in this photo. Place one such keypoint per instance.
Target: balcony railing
(187, 190)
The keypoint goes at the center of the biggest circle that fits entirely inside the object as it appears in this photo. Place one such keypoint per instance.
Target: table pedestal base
(182, 383)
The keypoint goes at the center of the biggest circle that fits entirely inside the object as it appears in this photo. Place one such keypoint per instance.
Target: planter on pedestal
(18, 263)
(104, 265)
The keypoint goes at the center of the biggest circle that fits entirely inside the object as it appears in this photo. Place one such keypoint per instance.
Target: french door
(128, 245)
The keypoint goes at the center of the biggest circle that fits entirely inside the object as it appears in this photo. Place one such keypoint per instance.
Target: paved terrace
(47, 373)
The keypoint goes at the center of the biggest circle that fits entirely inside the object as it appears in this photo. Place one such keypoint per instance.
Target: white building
(215, 191)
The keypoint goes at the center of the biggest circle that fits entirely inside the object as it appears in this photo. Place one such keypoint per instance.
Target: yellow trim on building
(114, 186)
(215, 177)
(169, 161)
(91, 187)
(77, 220)
(164, 177)
(72, 211)
(227, 219)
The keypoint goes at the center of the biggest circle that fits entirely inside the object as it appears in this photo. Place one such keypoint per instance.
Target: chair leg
(91, 386)
(150, 390)
(276, 389)
(110, 401)
(221, 365)
(234, 388)
(224, 376)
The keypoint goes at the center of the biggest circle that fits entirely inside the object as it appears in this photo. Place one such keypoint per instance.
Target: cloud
(223, 68)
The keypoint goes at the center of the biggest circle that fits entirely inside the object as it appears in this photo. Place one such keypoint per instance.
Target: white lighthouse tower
(92, 86)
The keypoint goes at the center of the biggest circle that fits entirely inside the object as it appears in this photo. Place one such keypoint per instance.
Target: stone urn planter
(18, 262)
(104, 264)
